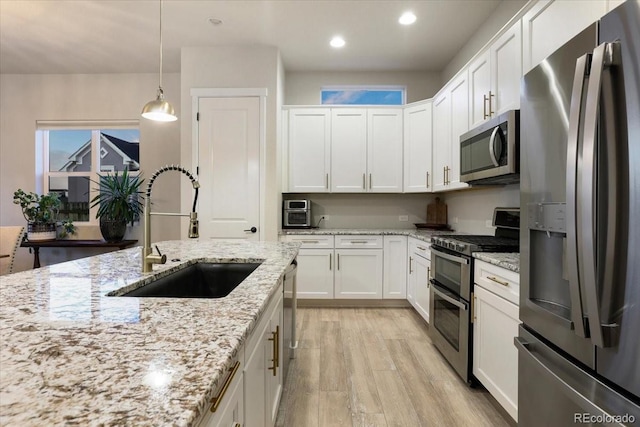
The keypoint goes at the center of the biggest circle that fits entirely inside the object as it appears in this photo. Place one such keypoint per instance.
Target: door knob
(252, 229)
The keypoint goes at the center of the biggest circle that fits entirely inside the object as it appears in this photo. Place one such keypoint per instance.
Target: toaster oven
(296, 214)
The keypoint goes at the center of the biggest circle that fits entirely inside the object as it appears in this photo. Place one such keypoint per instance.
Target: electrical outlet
(455, 219)
(488, 223)
(403, 218)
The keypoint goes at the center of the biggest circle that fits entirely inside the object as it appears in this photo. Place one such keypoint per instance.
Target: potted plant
(41, 212)
(119, 202)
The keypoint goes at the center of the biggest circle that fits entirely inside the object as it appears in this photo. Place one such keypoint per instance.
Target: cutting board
(437, 212)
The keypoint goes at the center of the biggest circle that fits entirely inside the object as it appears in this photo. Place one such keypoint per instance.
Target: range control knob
(461, 247)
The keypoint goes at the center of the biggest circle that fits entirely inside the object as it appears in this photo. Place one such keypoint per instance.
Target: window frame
(43, 174)
(369, 88)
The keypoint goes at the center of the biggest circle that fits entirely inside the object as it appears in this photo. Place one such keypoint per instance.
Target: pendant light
(159, 109)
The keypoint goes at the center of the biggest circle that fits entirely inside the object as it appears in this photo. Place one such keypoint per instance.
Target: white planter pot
(41, 232)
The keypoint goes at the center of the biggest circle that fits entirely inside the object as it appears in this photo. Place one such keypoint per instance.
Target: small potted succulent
(41, 212)
(119, 203)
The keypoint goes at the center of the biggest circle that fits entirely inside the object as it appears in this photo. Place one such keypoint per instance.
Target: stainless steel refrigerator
(579, 344)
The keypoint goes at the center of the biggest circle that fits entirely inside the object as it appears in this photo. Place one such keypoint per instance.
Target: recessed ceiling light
(337, 42)
(215, 21)
(407, 18)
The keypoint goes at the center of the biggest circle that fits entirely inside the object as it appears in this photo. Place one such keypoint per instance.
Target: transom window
(73, 155)
(363, 95)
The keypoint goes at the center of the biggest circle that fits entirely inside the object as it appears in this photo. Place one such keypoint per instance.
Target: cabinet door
(394, 285)
(495, 359)
(231, 410)
(348, 150)
(422, 267)
(549, 24)
(384, 150)
(459, 94)
(417, 148)
(315, 273)
(274, 350)
(441, 140)
(358, 273)
(255, 387)
(479, 88)
(309, 149)
(506, 70)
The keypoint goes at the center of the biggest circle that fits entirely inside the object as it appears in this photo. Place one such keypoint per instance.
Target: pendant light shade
(159, 110)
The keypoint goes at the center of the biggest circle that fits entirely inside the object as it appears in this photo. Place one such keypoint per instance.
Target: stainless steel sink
(201, 280)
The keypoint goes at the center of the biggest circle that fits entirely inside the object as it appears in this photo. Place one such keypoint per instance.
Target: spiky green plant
(119, 197)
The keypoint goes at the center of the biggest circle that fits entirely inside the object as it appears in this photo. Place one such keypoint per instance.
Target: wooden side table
(72, 244)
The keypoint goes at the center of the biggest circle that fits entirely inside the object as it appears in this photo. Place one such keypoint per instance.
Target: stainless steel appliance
(490, 153)
(296, 214)
(452, 286)
(290, 303)
(579, 346)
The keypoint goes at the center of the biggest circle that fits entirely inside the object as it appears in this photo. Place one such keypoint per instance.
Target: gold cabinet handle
(360, 241)
(310, 241)
(410, 270)
(275, 338)
(493, 279)
(484, 105)
(491, 112)
(422, 248)
(217, 399)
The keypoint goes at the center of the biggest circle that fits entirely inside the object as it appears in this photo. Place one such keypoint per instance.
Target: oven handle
(447, 298)
(459, 260)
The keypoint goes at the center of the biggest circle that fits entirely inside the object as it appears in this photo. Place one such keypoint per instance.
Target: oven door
(451, 271)
(299, 218)
(449, 316)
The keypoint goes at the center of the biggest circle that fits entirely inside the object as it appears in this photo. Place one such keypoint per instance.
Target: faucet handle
(163, 258)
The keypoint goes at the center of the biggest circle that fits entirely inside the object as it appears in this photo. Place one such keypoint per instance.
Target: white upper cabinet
(417, 147)
(348, 150)
(551, 23)
(384, 150)
(450, 120)
(494, 77)
(309, 149)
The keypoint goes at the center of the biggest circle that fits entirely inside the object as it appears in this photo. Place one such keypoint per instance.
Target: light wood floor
(376, 367)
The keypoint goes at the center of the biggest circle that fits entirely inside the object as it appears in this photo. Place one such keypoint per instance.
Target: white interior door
(229, 167)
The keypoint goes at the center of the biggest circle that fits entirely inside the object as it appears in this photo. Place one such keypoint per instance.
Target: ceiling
(122, 36)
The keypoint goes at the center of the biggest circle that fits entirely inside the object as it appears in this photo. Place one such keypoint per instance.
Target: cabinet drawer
(500, 281)
(311, 241)
(358, 242)
(418, 247)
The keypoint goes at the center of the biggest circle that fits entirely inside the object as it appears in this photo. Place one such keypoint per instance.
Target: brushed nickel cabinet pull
(370, 182)
(427, 179)
(484, 105)
(338, 261)
(360, 241)
(364, 181)
(310, 241)
(474, 301)
(422, 248)
(428, 275)
(330, 256)
(491, 112)
(493, 279)
(410, 270)
(444, 175)
(327, 181)
(217, 399)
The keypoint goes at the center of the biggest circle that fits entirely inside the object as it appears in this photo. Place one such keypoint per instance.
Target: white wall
(367, 210)
(24, 99)
(236, 67)
(473, 207)
(303, 88)
(506, 10)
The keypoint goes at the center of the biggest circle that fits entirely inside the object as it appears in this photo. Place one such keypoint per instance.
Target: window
(363, 95)
(73, 155)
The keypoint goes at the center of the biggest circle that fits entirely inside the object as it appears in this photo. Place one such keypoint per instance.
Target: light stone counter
(421, 234)
(510, 261)
(69, 354)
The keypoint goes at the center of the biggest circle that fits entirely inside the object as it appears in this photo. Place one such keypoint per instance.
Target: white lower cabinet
(394, 282)
(358, 273)
(496, 321)
(227, 409)
(263, 368)
(419, 272)
(315, 266)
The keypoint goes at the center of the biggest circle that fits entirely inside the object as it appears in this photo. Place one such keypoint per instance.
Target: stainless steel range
(452, 286)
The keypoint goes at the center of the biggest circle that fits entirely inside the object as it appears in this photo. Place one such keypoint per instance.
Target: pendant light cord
(160, 85)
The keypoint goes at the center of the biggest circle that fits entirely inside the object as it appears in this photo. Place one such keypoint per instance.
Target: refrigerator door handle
(577, 397)
(603, 56)
(573, 143)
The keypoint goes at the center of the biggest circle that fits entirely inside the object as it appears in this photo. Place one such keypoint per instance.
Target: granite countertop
(421, 234)
(510, 261)
(70, 354)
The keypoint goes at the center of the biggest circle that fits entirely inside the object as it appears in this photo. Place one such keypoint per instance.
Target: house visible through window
(359, 95)
(73, 158)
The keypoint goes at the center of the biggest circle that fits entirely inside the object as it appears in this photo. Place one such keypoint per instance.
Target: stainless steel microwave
(490, 153)
(296, 214)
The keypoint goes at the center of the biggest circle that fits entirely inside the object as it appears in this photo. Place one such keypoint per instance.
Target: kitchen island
(70, 354)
